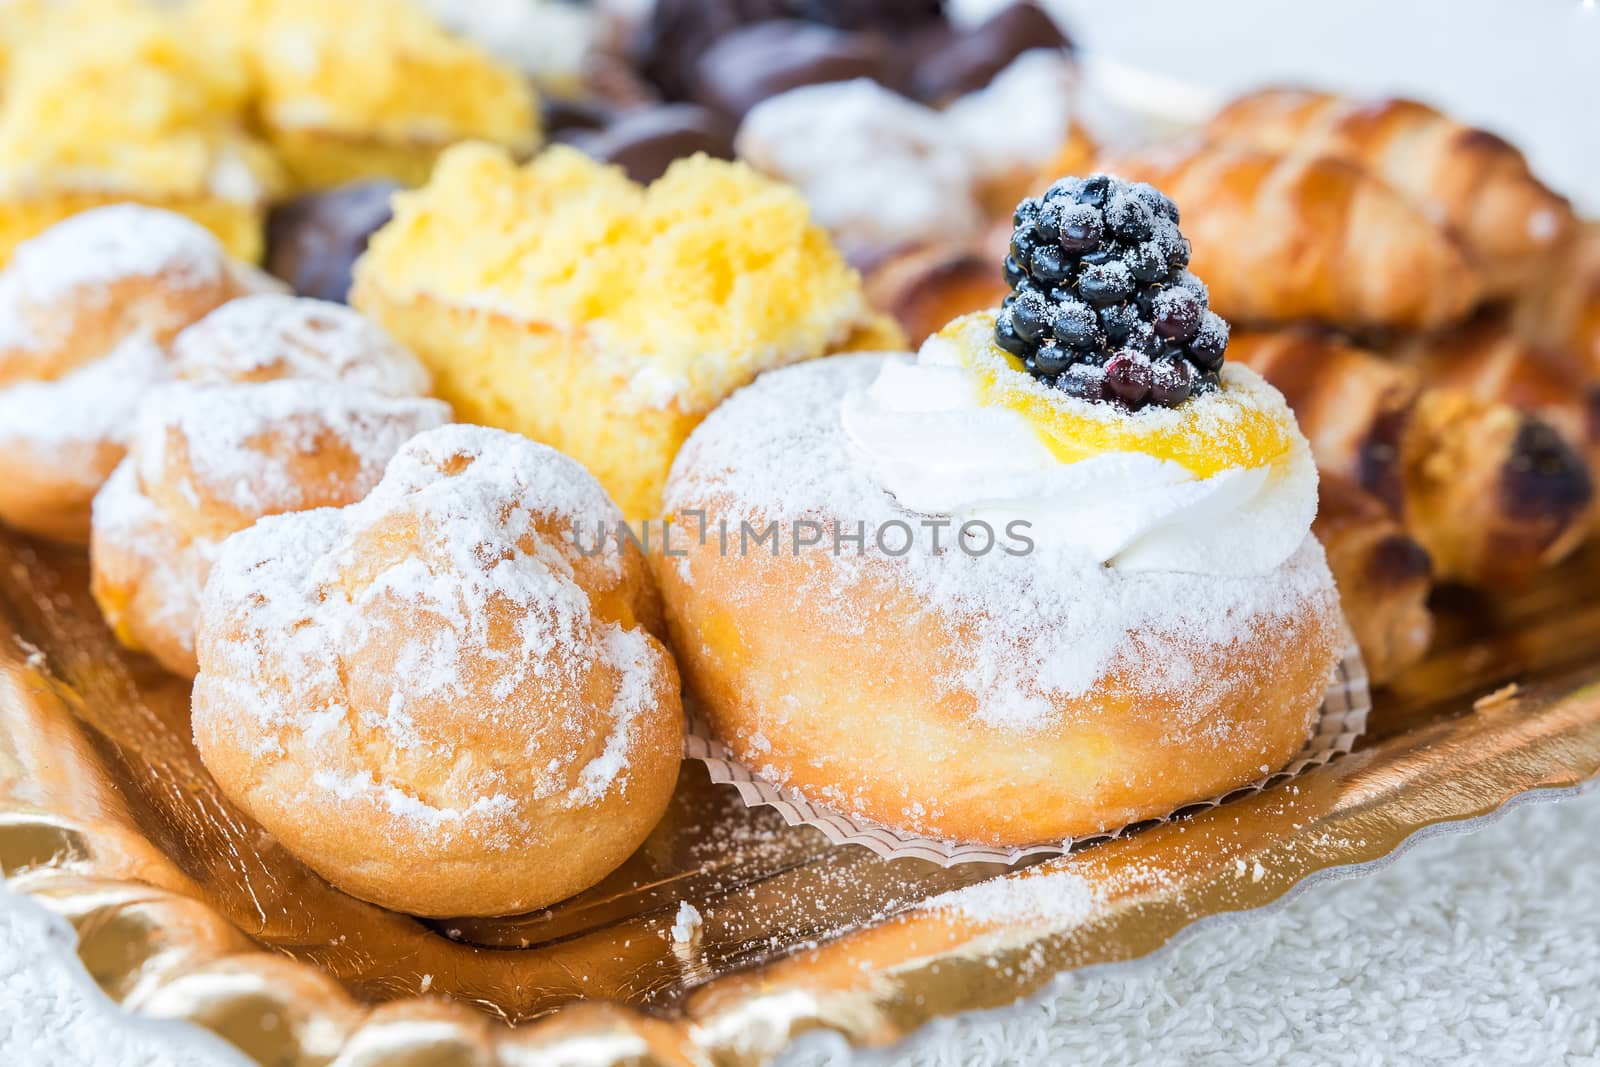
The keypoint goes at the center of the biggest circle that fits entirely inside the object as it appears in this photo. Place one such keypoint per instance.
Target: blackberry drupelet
(1102, 304)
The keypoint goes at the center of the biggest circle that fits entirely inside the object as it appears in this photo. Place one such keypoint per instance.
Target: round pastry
(289, 404)
(270, 336)
(435, 697)
(86, 310)
(1042, 592)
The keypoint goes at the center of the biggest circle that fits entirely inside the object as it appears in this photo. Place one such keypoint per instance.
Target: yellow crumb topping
(687, 288)
(1245, 424)
(118, 96)
(382, 69)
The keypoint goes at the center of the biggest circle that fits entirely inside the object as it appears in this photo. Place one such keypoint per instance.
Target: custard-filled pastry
(435, 697)
(375, 88)
(1280, 237)
(1474, 180)
(117, 100)
(1051, 576)
(1493, 491)
(87, 310)
(1384, 577)
(286, 404)
(602, 317)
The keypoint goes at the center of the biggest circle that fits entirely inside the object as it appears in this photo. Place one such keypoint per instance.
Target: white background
(1527, 69)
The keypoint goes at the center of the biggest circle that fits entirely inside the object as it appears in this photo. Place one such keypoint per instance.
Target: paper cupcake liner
(1344, 718)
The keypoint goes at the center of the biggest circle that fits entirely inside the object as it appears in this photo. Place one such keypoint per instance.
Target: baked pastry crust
(1280, 237)
(1474, 180)
(283, 404)
(88, 309)
(845, 679)
(1465, 457)
(441, 667)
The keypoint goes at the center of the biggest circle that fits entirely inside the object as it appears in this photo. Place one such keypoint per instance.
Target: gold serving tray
(185, 909)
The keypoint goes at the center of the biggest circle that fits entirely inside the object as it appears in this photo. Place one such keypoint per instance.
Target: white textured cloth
(1478, 948)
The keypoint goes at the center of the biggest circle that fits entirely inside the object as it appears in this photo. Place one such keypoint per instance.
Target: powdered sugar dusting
(107, 244)
(1029, 632)
(272, 335)
(447, 602)
(875, 167)
(246, 444)
(88, 406)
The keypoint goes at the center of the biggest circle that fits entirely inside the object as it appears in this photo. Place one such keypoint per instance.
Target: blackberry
(1102, 304)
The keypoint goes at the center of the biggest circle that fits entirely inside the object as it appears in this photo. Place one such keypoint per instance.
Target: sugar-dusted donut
(986, 683)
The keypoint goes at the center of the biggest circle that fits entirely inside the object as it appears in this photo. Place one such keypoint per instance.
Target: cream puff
(443, 666)
(87, 310)
(1052, 576)
(284, 404)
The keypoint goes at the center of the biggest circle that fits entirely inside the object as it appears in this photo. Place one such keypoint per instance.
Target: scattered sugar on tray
(1060, 898)
(281, 336)
(687, 923)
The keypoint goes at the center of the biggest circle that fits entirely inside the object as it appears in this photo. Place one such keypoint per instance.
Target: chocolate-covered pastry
(680, 31)
(314, 240)
(756, 62)
(644, 142)
(968, 60)
(897, 15)
(561, 117)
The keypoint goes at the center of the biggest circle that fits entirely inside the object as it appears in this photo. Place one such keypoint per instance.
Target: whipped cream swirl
(935, 445)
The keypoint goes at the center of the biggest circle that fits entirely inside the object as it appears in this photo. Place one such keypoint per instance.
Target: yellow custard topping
(382, 68)
(1234, 427)
(690, 286)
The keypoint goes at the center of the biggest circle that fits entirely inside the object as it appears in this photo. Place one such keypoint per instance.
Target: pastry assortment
(810, 349)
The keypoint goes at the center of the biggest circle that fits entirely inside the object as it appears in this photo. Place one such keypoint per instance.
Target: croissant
(927, 287)
(1564, 309)
(1383, 575)
(1469, 177)
(1492, 361)
(1493, 493)
(1281, 237)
